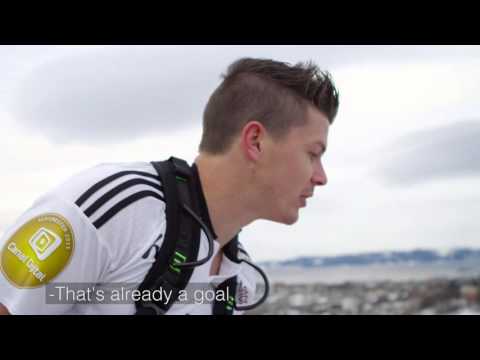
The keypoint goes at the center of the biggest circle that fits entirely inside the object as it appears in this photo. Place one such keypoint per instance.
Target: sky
(403, 158)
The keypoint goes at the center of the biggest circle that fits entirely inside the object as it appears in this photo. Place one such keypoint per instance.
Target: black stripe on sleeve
(84, 197)
(116, 190)
(123, 204)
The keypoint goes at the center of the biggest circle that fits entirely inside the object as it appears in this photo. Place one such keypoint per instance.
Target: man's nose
(319, 176)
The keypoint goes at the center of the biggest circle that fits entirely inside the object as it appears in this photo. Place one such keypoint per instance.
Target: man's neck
(226, 195)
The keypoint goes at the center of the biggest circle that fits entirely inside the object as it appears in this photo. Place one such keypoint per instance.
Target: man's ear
(252, 136)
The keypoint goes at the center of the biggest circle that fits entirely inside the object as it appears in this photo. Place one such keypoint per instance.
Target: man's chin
(292, 220)
(287, 219)
(283, 218)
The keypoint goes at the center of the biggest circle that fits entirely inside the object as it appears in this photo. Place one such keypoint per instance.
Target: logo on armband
(38, 251)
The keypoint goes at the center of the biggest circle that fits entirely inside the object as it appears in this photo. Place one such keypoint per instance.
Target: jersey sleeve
(50, 247)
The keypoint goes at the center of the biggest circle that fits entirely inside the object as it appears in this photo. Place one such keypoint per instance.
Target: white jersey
(98, 228)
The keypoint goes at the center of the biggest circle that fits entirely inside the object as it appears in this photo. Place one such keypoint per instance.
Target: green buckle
(178, 258)
(230, 302)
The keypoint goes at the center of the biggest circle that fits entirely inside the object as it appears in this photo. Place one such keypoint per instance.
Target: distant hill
(377, 258)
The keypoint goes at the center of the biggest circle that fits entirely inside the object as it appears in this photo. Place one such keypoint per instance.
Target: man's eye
(313, 156)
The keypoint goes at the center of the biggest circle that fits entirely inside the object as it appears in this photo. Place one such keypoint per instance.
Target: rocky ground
(427, 297)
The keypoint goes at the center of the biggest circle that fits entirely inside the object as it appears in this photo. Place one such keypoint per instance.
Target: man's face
(291, 168)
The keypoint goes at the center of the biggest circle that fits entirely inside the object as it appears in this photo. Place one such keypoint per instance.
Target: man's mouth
(303, 199)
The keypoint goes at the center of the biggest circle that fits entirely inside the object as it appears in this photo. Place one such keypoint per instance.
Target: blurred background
(395, 231)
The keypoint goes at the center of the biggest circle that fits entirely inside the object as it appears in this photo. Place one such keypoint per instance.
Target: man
(265, 130)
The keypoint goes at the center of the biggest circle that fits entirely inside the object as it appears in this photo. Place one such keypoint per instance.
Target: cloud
(114, 94)
(437, 153)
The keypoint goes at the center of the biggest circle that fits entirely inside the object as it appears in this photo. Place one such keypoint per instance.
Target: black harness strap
(182, 238)
(225, 296)
(224, 305)
(181, 245)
